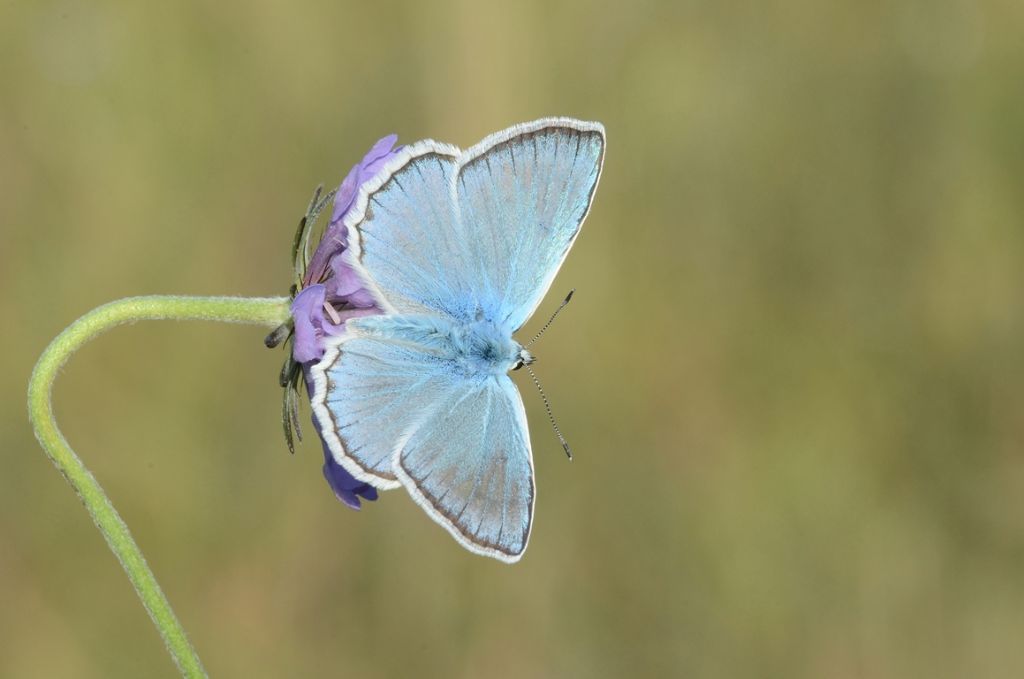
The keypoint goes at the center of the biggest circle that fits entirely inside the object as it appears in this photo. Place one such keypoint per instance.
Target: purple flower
(317, 316)
(333, 242)
(345, 487)
(331, 294)
(310, 325)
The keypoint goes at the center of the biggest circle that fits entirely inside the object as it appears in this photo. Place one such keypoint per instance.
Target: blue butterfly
(458, 248)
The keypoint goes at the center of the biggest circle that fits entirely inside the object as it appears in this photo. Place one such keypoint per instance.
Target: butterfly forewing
(478, 231)
(405, 240)
(522, 196)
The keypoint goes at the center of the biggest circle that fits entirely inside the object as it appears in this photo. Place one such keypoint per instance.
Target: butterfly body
(485, 348)
(477, 348)
(458, 249)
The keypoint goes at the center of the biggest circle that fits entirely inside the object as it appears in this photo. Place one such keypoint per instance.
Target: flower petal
(346, 286)
(308, 312)
(334, 238)
(371, 163)
(346, 488)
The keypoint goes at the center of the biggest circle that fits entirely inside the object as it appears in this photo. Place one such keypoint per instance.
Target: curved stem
(258, 311)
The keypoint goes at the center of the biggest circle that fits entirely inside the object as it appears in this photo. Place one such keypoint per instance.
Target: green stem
(270, 311)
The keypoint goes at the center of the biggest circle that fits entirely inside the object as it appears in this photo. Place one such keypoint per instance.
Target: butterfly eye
(518, 365)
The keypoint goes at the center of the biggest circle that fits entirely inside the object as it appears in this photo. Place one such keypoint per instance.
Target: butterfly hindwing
(395, 404)
(470, 467)
(368, 394)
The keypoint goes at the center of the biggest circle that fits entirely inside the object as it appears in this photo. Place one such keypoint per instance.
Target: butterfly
(458, 248)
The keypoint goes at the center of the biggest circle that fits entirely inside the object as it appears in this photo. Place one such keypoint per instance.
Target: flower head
(329, 294)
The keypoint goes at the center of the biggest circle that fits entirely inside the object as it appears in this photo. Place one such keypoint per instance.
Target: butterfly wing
(394, 407)
(405, 240)
(470, 467)
(372, 387)
(483, 230)
(522, 196)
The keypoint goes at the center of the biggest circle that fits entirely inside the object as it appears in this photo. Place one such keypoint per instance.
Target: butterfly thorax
(485, 347)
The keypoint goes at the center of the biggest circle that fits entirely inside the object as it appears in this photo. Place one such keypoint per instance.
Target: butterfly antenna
(547, 406)
(550, 321)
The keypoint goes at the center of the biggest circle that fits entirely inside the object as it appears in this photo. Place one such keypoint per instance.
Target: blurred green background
(792, 374)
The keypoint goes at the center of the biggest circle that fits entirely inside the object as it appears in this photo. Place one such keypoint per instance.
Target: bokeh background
(792, 374)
